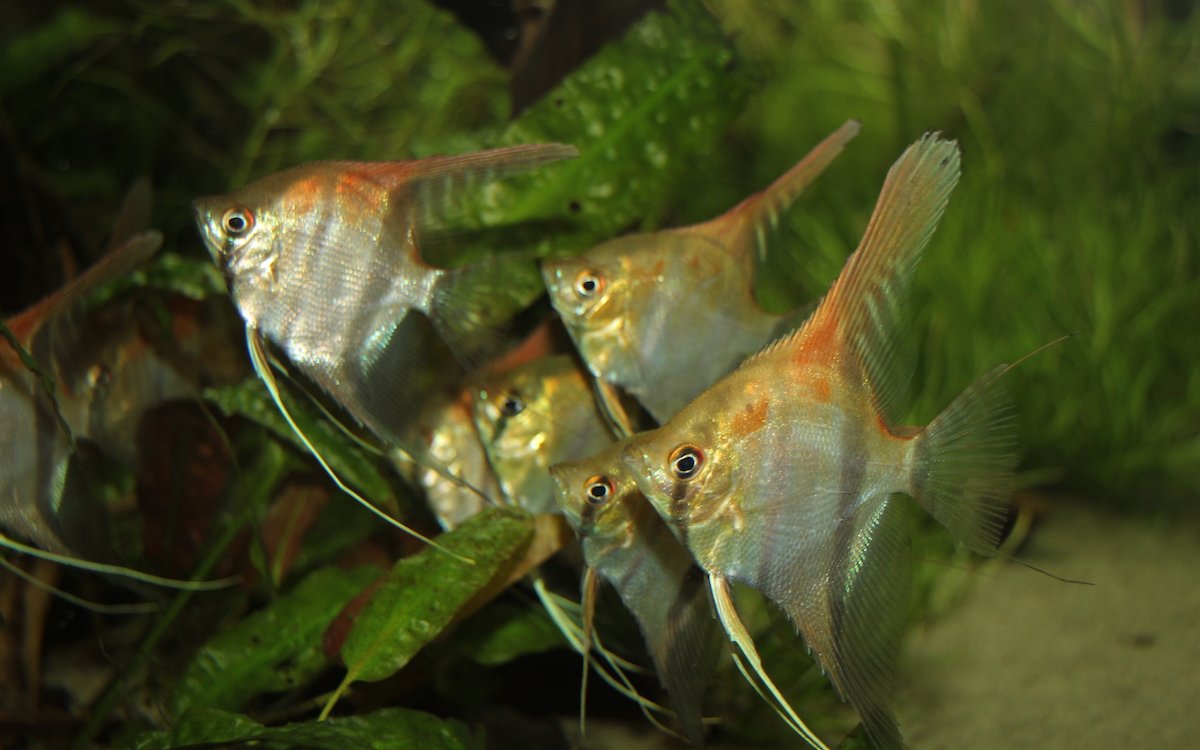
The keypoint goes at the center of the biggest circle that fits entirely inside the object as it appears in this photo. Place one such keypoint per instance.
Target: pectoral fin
(736, 630)
(256, 345)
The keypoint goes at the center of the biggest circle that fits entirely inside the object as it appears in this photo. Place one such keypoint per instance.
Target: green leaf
(641, 111)
(425, 592)
(250, 399)
(388, 729)
(505, 631)
(274, 649)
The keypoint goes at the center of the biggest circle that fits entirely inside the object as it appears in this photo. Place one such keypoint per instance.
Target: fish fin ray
(688, 651)
(869, 617)
(443, 177)
(868, 298)
(764, 213)
(259, 359)
(591, 585)
(722, 596)
(616, 678)
(964, 463)
(659, 584)
(50, 328)
(472, 305)
(749, 222)
(866, 302)
(852, 625)
(438, 193)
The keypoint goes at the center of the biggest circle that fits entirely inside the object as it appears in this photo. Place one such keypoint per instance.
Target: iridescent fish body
(534, 416)
(324, 261)
(784, 475)
(633, 305)
(626, 543)
(449, 431)
(97, 381)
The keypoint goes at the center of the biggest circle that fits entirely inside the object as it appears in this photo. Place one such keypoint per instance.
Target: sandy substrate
(1026, 661)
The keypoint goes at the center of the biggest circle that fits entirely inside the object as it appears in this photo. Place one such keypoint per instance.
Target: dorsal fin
(743, 229)
(864, 304)
(116, 264)
(432, 193)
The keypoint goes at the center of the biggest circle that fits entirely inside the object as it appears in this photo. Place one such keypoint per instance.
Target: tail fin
(964, 463)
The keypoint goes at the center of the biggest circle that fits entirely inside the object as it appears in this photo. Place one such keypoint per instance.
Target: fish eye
(589, 283)
(598, 489)
(511, 405)
(237, 221)
(685, 461)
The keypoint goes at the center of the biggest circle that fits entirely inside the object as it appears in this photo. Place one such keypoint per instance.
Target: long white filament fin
(258, 360)
(98, 608)
(591, 585)
(116, 570)
(727, 613)
(554, 606)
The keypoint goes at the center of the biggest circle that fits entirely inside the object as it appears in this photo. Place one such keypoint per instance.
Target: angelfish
(42, 424)
(324, 261)
(786, 475)
(628, 545)
(448, 428)
(631, 304)
(534, 416)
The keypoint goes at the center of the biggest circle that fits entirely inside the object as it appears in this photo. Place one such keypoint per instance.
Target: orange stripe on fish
(752, 418)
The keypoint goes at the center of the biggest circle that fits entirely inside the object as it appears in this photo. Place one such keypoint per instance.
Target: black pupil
(588, 285)
(235, 223)
(513, 406)
(685, 464)
(598, 491)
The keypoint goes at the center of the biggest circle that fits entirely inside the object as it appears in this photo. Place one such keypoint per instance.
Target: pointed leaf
(424, 593)
(641, 111)
(274, 649)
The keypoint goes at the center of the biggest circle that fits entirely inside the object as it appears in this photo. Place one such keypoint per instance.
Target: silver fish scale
(334, 289)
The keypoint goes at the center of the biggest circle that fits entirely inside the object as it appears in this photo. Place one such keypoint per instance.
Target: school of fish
(768, 452)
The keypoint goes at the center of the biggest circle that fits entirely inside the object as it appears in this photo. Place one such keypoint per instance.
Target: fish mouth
(561, 492)
(202, 210)
(552, 276)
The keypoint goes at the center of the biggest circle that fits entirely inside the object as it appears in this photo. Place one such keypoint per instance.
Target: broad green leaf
(388, 729)
(640, 111)
(505, 631)
(250, 399)
(425, 592)
(275, 649)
